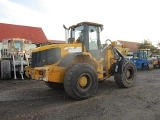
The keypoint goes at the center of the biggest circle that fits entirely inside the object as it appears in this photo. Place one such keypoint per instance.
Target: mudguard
(119, 65)
(68, 58)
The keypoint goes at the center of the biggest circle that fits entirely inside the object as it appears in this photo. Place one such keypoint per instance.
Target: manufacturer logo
(73, 49)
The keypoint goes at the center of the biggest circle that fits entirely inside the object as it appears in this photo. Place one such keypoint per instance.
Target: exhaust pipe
(66, 33)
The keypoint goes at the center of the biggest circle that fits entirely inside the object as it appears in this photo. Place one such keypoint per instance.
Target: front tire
(81, 81)
(126, 78)
(5, 69)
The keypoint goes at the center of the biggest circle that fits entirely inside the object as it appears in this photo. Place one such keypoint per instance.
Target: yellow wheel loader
(80, 64)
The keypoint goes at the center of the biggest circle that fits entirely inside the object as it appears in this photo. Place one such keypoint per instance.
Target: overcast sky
(130, 20)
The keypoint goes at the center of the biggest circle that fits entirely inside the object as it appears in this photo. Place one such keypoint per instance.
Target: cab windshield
(17, 45)
(139, 56)
(77, 33)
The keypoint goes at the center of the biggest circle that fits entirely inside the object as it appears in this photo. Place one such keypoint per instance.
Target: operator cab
(139, 55)
(18, 45)
(87, 33)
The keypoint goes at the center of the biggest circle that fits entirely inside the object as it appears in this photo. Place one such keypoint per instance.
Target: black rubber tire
(143, 67)
(55, 86)
(72, 81)
(147, 67)
(122, 79)
(5, 70)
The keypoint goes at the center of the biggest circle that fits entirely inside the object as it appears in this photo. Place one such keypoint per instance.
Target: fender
(119, 65)
(68, 58)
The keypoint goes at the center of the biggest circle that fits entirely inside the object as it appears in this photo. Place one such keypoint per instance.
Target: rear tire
(5, 69)
(127, 77)
(54, 86)
(81, 81)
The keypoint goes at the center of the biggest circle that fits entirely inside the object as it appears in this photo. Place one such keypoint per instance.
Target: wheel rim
(129, 74)
(84, 81)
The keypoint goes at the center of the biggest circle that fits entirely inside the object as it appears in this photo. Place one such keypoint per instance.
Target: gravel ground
(33, 100)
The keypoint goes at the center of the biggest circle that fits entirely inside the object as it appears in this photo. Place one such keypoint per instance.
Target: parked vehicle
(15, 55)
(140, 59)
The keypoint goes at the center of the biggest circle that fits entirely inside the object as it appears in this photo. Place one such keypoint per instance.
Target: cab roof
(88, 23)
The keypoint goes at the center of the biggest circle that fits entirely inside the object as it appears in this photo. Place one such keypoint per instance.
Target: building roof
(35, 34)
(132, 46)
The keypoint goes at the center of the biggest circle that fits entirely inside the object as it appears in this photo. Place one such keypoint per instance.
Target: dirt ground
(33, 100)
